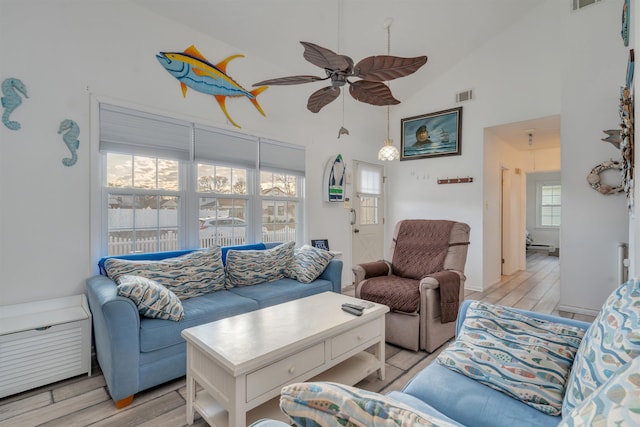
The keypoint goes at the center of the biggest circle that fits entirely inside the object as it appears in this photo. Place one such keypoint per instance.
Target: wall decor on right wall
(431, 135)
(626, 16)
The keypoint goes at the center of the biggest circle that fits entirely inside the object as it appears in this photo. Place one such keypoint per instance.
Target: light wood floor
(83, 401)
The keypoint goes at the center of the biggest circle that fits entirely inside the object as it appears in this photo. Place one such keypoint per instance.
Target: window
(170, 184)
(280, 206)
(549, 205)
(143, 198)
(369, 191)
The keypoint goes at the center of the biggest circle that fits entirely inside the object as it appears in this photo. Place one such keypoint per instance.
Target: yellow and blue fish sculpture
(193, 70)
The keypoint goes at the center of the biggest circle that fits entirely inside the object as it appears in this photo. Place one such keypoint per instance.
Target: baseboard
(578, 310)
(473, 288)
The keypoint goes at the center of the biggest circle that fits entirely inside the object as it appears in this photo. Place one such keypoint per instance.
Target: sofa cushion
(249, 267)
(196, 273)
(615, 403)
(152, 299)
(528, 359)
(328, 404)
(418, 405)
(157, 334)
(472, 403)
(612, 340)
(283, 290)
(308, 263)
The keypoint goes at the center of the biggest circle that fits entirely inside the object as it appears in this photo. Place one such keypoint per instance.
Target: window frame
(189, 205)
(540, 206)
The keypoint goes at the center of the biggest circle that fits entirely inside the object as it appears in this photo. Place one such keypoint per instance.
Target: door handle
(355, 230)
(353, 216)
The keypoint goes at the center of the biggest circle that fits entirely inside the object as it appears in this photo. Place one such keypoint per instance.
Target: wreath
(594, 177)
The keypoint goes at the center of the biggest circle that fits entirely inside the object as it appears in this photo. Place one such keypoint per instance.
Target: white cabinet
(42, 342)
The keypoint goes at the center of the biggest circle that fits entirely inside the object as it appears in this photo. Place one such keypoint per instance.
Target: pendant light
(388, 152)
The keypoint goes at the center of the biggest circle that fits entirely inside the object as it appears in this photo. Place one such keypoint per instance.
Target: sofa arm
(370, 269)
(462, 314)
(432, 283)
(333, 273)
(116, 326)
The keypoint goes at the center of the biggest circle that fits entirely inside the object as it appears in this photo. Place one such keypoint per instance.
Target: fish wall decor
(11, 89)
(71, 131)
(194, 71)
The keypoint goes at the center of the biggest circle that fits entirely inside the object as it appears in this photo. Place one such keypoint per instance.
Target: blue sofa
(136, 353)
(601, 387)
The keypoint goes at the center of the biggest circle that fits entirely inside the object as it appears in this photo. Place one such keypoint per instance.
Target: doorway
(367, 213)
(511, 152)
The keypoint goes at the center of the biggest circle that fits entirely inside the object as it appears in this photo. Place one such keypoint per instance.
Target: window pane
(119, 170)
(239, 181)
(368, 210)
(142, 223)
(221, 179)
(278, 185)
(279, 221)
(168, 178)
(223, 222)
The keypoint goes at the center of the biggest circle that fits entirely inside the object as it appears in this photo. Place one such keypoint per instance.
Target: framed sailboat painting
(431, 135)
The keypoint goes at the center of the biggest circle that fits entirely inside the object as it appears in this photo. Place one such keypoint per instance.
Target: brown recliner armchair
(426, 269)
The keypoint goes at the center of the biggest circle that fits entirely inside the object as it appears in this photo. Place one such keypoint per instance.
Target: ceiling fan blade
(290, 80)
(325, 58)
(322, 97)
(374, 93)
(384, 67)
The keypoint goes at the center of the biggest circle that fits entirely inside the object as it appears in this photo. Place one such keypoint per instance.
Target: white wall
(69, 52)
(594, 67)
(512, 81)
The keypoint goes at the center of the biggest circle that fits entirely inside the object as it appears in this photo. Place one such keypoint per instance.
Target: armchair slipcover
(420, 255)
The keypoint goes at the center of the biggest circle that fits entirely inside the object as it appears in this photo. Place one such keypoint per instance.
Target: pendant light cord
(388, 25)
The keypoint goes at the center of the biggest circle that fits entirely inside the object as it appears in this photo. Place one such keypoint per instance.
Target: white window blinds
(280, 157)
(123, 130)
(127, 131)
(369, 180)
(231, 148)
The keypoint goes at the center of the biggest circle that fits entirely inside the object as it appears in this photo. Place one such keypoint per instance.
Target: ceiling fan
(372, 70)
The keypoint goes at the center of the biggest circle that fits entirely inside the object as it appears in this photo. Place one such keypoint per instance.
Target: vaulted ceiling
(444, 30)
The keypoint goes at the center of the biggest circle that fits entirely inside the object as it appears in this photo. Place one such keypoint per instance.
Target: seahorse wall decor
(71, 131)
(11, 89)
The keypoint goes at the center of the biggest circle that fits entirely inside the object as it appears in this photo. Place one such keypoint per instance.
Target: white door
(367, 210)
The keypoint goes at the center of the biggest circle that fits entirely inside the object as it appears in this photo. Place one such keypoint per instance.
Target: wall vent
(466, 95)
(579, 4)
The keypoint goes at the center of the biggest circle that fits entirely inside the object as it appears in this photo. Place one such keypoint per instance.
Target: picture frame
(431, 135)
(320, 244)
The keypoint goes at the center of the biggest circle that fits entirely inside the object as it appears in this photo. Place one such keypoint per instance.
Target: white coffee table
(239, 364)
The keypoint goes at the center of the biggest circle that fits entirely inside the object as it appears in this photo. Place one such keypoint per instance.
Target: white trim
(578, 310)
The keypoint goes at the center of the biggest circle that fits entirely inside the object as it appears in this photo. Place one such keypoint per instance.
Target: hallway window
(549, 205)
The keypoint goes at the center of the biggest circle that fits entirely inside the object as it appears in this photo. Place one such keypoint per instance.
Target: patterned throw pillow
(196, 273)
(249, 267)
(615, 403)
(152, 299)
(325, 404)
(612, 340)
(526, 358)
(308, 263)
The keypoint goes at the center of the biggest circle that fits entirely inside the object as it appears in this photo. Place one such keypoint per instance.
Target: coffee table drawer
(284, 371)
(353, 338)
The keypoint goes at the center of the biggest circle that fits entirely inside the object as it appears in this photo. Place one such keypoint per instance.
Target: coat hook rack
(455, 180)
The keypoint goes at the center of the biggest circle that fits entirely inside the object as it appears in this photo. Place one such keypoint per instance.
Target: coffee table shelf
(241, 372)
